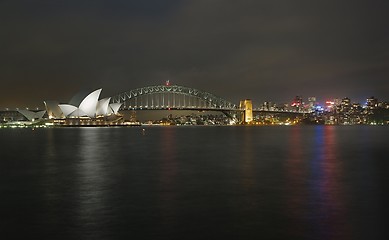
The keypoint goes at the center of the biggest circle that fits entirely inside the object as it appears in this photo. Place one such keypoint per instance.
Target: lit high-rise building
(297, 103)
(372, 103)
(312, 102)
(345, 105)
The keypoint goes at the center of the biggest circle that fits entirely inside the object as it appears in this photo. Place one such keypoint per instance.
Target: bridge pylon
(247, 113)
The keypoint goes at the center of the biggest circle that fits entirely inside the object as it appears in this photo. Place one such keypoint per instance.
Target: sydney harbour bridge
(171, 97)
(158, 97)
(175, 97)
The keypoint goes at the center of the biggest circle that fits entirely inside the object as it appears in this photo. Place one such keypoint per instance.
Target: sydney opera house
(85, 107)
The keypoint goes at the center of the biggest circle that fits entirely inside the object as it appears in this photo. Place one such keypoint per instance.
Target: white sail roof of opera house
(53, 109)
(89, 104)
(115, 107)
(83, 105)
(102, 108)
(77, 99)
(67, 109)
(31, 115)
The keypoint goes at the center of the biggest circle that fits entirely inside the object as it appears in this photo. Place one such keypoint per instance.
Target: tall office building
(312, 102)
(345, 105)
(372, 103)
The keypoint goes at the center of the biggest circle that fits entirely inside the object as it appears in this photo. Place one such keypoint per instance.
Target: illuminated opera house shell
(31, 115)
(83, 105)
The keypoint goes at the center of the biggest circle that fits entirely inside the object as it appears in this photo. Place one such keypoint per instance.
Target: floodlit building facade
(247, 114)
(31, 115)
(82, 105)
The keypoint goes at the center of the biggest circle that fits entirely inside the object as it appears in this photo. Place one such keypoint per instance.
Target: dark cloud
(264, 50)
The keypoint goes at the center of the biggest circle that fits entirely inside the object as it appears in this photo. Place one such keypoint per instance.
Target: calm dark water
(303, 182)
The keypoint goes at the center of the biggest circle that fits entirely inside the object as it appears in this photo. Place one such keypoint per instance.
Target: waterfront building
(345, 105)
(11, 116)
(312, 103)
(371, 103)
(82, 105)
(297, 103)
(32, 115)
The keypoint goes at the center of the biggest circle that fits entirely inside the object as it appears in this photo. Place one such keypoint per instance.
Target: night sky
(264, 50)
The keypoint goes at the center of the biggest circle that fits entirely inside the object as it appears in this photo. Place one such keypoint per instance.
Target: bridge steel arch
(211, 101)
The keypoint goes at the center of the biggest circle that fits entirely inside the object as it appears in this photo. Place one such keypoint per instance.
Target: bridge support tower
(247, 114)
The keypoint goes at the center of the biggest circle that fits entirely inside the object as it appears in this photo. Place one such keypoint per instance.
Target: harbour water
(296, 182)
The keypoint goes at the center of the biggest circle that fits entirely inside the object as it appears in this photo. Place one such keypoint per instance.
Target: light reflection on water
(328, 210)
(325, 191)
(246, 182)
(167, 183)
(92, 180)
(247, 165)
(296, 179)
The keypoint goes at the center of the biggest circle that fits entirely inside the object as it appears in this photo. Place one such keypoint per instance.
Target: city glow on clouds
(262, 50)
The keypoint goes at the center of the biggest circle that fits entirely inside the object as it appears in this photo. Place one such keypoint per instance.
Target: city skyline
(267, 51)
(305, 101)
